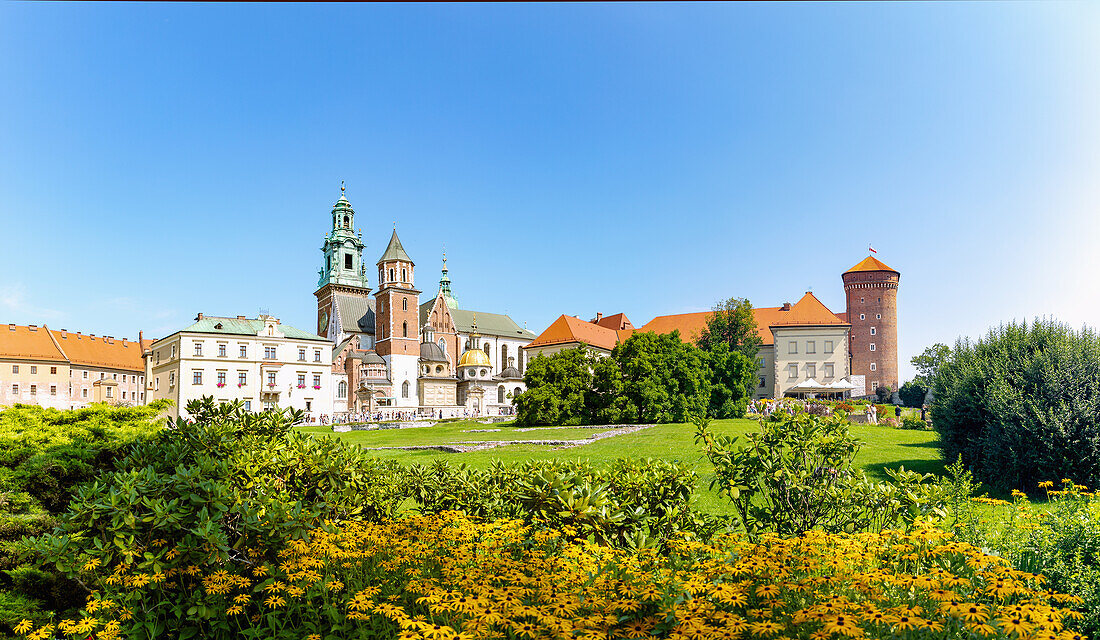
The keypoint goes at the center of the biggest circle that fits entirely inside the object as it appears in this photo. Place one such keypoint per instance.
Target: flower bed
(447, 576)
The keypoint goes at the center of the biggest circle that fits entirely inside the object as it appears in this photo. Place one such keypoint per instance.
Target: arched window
(404, 304)
(342, 390)
(345, 222)
(503, 356)
(381, 275)
(443, 345)
(500, 394)
(404, 277)
(486, 347)
(467, 345)
(405, 389)
(404, 329)
(516, 392)
(391, 275)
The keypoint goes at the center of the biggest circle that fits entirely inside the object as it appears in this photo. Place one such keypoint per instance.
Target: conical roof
(871, 263)
(394, 251)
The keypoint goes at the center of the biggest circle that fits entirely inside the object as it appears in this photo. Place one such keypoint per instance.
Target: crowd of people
(400, 416)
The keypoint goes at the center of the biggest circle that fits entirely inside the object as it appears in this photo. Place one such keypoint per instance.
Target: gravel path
(465, 447)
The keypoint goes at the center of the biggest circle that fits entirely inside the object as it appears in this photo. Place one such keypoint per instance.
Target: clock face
(322, 322)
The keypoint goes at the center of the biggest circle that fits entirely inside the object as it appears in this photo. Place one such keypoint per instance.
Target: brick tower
(871, 294)
(397, 322)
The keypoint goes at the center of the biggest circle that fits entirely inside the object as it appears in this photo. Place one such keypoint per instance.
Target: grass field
(883, 447)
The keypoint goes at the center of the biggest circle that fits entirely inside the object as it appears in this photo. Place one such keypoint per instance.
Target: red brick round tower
(871, 293)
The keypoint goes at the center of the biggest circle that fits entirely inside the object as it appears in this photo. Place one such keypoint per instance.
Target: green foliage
(733, 324)
(928, 362)
(796, 474)
(733, 379)
(628, 503)
(912, 422)
(912, 393)
(883, 394)
(557, 387)
(45, 456)
(1021, 405)
(209, 489)
(663, 379)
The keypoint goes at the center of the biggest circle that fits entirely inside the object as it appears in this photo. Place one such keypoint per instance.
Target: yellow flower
(845, 626)
(23, 627)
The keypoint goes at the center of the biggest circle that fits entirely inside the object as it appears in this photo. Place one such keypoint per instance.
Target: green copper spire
(445, 286)
(343, 249)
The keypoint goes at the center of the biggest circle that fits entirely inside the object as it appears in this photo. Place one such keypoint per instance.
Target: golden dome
(474, 358)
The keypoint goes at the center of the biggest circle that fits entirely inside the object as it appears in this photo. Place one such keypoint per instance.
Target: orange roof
(617, 322)
(568, 329)
(871, 263)
(808, 311)
(96, 351)
(22, 343)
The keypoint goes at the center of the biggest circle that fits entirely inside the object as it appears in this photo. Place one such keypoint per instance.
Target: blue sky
(161, 160)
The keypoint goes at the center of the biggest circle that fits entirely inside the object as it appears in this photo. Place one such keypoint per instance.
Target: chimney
(11, 327)
(786, 307)
(599, 316)
(32, 327)
(242, 318)
(198, 317)
(65, 333)
(124, 342)
(110, 339)
(141, 339)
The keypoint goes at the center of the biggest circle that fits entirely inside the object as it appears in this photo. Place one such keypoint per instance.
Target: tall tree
(732, 381)
(928, 362)
(663, 379)
(556, 388)
(732, 323)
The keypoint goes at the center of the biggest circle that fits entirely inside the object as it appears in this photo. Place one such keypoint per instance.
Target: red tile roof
(23, 343)
(617, 322)
(871, 263)
(808, 311)
(569, 329)
(93, 351)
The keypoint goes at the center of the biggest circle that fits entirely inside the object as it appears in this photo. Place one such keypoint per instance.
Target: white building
(258, 360)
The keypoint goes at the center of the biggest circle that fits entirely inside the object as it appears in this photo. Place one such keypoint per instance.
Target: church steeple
(343, 249)
(445, 286)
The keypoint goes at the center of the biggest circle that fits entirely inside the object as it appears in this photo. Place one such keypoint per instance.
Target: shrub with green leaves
(796, 474)
(45, 456)
(1022, 405)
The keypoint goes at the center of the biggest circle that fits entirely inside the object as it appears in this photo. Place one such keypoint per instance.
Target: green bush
(45, 456)
(913, 422)
(796, 474)
(1022, 405)
(912, 394)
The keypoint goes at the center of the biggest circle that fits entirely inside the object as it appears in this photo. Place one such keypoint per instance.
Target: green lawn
(883, 447)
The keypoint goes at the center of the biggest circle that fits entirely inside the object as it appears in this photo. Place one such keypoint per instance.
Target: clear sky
(161, 160)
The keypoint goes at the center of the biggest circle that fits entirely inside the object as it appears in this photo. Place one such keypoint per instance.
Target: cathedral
(393, 354)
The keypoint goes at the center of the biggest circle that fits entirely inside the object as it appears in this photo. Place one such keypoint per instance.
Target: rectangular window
(872, 331)
(269, 353)
(763, 382)
(301, 380)
(269, 405)
(874, 367)
(221, 350)
(792, 347)
(316, 355)
(792, 371)
(316, 379)
(110, 392)
(173, 351)
(244, 351)
(248, 405)
(874, 385)
(53, 389)
(15, 368)
(872, 346)
(156, 385)
(221, 378)
(102, 375)
(309, 406)
(15, 388)
(270, 378)
(828, 346)
(85, 376)
(83, 393)
(760, 363)
(811, 370)
(198, 349)
(347, 260)
(34, 370)
(828, 370)
(878, 316)
(196, 377)
(301, 355)
(53, 371)
(123, 395)
(114, 376)
(171, 379)
(811, 346)
(242, 379)
(34, 389)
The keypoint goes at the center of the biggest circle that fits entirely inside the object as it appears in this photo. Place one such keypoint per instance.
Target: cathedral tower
(343, 272)
(397, 317)
(871, 293)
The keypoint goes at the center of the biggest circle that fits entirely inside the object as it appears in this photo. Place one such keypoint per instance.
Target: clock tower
(343, 278)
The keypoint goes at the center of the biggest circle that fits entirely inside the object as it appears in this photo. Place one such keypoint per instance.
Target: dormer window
(218, 326)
